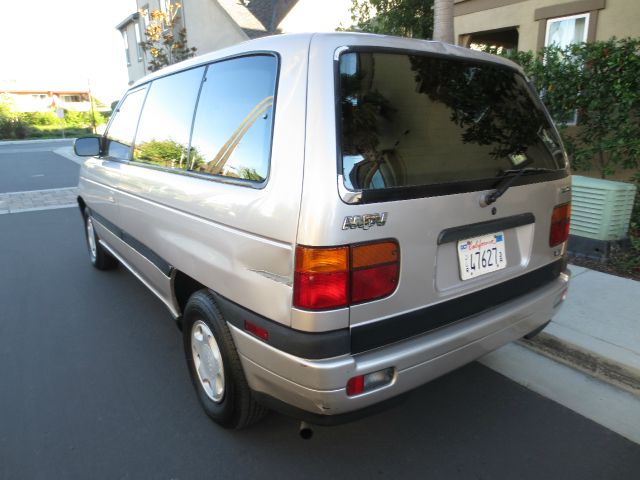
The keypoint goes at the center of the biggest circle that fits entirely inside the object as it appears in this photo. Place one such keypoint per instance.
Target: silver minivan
(333, 219)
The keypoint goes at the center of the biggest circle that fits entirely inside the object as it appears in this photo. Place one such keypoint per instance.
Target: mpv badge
(365, 221)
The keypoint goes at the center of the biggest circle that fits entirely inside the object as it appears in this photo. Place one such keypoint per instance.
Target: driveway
(94, 384)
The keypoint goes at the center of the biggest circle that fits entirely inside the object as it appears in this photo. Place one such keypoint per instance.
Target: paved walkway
(596, 332)
(16, 202)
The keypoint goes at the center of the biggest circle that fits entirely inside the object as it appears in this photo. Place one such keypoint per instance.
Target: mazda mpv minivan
(333, 219)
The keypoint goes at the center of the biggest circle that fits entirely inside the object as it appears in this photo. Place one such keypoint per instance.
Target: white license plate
(480, 255)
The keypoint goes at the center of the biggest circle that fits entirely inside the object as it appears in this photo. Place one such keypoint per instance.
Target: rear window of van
(414, 120)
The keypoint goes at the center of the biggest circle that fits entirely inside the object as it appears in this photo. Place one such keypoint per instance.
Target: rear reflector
(261, 333)
(355, 385)
(370, 381)
(335, 277)
(560, 223)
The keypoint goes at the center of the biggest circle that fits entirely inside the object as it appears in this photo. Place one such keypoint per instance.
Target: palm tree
(443, 20)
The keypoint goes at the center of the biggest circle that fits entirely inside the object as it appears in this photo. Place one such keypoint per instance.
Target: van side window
(123, 126)
(165, 123)
(234, 119)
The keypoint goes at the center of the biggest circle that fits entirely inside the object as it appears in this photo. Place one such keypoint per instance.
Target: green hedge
(601, 81)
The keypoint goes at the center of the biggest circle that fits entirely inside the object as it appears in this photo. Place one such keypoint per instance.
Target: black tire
(99, 257)
(236, 408)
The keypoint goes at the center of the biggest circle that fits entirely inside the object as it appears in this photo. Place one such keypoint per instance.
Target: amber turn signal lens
(317, 260)
(374, 254)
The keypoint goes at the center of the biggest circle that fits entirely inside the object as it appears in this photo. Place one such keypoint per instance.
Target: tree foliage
(166, 41)
(168, 153)
(601, 82)
(406, 18)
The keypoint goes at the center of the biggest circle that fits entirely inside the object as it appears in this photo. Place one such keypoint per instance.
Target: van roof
(286, 41)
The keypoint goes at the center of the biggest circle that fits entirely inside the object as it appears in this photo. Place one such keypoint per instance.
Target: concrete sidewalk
(597, 330)
(588, 357)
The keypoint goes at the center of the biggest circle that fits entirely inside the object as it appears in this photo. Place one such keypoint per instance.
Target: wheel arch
(183, 287)
(81, 204)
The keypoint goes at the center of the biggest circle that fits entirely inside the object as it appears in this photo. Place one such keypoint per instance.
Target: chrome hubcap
(207, 361)
(91, 238)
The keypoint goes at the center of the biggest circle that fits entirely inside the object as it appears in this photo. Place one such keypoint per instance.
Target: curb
(67, 152)
(39, 140)
(603, 368)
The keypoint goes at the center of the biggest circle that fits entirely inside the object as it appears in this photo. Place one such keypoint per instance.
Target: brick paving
(15, 202)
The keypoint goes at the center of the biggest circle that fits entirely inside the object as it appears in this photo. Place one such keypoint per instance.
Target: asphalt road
(33, 166)
(93, 384)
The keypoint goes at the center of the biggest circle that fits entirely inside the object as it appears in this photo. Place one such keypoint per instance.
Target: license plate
(480, 255)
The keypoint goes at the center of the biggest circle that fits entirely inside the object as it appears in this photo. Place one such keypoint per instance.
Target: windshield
(410, 120)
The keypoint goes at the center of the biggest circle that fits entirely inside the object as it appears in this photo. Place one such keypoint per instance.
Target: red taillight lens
(317, 291)
(321, 279)
(560, 222)
(327, 278)
(375, 282)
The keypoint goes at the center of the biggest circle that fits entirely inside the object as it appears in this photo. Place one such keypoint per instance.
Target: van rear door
(427, 140)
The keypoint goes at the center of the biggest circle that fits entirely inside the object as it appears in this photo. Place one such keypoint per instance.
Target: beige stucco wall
(135, 68)
(620, 18)
(209, 27)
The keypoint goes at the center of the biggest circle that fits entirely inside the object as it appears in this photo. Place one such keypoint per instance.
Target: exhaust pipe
(305, 430)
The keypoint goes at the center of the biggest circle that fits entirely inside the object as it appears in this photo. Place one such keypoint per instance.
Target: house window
(71, 98)
(564, 31)
(125, 39)
(138, 42)
(145, 16)
(39, 96)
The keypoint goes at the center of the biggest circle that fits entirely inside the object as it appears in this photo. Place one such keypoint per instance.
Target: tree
(406, 18)
(443, 20)
(166, 42)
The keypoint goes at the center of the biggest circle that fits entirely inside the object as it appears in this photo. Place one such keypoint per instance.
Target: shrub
(40, 118)
(601, 81)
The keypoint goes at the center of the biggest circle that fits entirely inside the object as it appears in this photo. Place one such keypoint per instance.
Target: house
(41, 98)
(215, 24)
(533, 24)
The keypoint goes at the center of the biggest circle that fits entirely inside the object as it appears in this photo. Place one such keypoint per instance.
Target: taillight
(560, 222)
(374, 270)
(335, 277)
(321, 279)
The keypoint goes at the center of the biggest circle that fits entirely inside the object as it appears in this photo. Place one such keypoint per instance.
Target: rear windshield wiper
(507, 181)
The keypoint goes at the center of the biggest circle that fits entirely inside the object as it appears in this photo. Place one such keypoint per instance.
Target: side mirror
(87, 146)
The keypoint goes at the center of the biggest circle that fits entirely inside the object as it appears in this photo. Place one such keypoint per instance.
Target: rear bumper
(317, 387)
